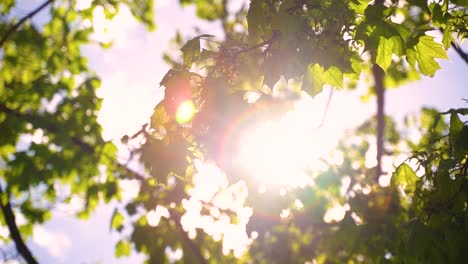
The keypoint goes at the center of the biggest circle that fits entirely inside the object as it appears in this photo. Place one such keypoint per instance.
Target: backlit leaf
(424, 52)
(117, 220)
(384, 53)
(334, 77)
(122, 249)
(313, 80)
(405, 177)
(191, 51)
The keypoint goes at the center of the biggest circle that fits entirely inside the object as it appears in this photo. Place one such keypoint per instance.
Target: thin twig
(274, 37)
(325, 111)
(24, 19)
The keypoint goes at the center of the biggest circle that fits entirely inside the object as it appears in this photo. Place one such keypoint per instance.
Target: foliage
(51, 148)
(282, 49)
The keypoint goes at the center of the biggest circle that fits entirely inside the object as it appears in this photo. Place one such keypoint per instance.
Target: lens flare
(185, 112)
(283, 151)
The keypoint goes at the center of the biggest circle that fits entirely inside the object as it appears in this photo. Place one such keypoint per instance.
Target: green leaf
(455, 135)
(6, 5)
(456, 126)
(405, 177)
(191, 50)
(255, 20)
(316, 77)
(447, 38)
(123, 248)
(159, 117)
(461, 2)
(384, 53)
(334, 77)
(424, 53)
(117, 220)
(313, 80)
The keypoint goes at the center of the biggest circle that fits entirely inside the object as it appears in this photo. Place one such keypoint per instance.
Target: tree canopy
(195, 194)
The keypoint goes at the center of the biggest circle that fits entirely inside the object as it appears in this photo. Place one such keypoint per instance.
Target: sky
(131, 71)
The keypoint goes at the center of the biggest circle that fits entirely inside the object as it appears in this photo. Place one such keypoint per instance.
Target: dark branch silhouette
(15, 234)
(460, 52)
(463, 55)
(16, 26)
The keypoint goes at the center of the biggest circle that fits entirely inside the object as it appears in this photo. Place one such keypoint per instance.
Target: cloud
(56, 243)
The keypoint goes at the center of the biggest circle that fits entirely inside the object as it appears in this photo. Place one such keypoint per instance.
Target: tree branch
(195, 249)
(24, 19)
(460, 52)
(224, 18)
(457, 48)
(378, 74)
(268, 43)
(9, 217)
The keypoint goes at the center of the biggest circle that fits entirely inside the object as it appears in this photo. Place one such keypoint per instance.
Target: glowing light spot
(282, 151)
(336, 213)
(185, 112)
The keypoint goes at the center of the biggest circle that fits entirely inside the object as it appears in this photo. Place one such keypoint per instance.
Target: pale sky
(130, 73)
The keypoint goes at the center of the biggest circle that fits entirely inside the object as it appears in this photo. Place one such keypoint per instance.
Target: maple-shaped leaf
(424, 52)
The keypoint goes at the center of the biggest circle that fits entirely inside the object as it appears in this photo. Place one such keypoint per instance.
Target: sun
(282, 152)
(185, 112)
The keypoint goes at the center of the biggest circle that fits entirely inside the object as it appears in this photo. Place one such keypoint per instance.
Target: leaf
(313, 80)
(159, 117)
(456, 127)
(280, 86)
(424, 53)
(117, 220)
(255, 20)
(398, 45)
(316, 77)
(384, 53)
(123, 248)
(334, 77)
(461, 145)
(405, 177)
(447, 38)
(461, 2)
(206, 36)
(124, 139)
(191, 51)
(169, 74)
